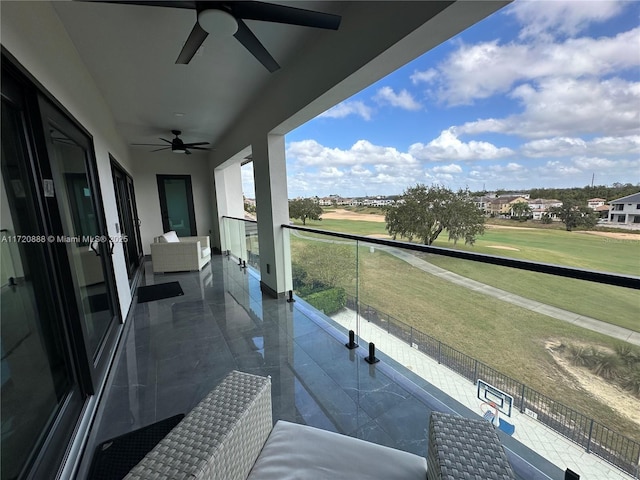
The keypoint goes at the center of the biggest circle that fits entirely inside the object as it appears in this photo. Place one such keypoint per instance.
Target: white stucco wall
(146, 166)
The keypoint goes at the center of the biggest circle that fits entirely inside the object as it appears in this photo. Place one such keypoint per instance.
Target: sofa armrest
(220, 439)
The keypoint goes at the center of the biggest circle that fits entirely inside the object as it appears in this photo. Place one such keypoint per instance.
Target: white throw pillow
(169, 237)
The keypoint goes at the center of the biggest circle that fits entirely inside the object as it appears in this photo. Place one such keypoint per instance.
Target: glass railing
(559, 345)
(240, 239)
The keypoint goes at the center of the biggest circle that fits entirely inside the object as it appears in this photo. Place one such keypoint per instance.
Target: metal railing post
(589, 439)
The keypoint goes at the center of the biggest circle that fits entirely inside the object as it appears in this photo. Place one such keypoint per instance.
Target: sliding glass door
(75, 209)
(41, 397)
(59, 309)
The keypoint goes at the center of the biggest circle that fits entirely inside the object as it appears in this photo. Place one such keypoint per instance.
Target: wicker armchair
(185, 255)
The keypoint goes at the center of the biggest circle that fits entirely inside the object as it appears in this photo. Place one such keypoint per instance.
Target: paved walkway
(558, 313)
(551, 445)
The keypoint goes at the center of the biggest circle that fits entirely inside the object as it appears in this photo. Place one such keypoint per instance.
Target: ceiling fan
(227, 18)
(176, 145)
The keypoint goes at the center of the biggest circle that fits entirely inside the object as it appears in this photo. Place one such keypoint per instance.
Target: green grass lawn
(574, 249)
(509, 338)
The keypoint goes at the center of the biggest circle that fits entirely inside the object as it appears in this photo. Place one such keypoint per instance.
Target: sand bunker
(341, 214)
(616, 235)
(503, 247)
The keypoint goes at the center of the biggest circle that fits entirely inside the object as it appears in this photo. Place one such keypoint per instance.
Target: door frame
(57, 441)
(163, 201)
(127, 213)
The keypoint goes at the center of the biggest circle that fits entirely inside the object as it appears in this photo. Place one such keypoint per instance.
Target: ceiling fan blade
(269, 12)
(164, 140)
(195, 143)
(158, 149)
(147, 145)
(251, 43)
(196, 37)
(172, 4)
(198, 148)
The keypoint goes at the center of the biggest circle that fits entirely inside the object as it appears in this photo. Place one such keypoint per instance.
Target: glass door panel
(176, 204)
(85, 245)
(38, 383)
(74, 202)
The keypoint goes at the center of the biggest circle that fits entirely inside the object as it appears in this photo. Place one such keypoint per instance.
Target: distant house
(540, 206)
(594, 203)
(625, 210)
(502, 206)
(484, 203)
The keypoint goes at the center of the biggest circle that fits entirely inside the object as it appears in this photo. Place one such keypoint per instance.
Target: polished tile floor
(175, 350)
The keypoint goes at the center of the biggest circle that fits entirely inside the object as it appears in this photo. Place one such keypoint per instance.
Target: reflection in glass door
(39, 387)
(176, 204)
(73, 195)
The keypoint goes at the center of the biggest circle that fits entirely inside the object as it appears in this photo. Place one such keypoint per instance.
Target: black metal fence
(594, 437)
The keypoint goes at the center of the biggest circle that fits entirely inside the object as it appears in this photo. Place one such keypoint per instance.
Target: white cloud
(484, 69)
(403, 99)
(349, 107)
(563, 107)
(451, 168)
(425, 76)
(573, 146)
(364, 167)
(566, 18)
(311, 153)
(447, 147)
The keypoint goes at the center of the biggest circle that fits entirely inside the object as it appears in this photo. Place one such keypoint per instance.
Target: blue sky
(540, 94)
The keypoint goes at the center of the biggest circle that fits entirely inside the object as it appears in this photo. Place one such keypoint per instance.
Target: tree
(304, 208)
(574, 215)
(424, 212)
(521, 211)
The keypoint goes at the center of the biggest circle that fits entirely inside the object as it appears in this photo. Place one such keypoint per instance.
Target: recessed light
(179, 114)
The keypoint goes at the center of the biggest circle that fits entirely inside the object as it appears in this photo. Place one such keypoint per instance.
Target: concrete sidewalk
(533, 305)
(549, 444)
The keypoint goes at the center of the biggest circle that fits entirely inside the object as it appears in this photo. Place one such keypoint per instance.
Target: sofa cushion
(169, 237)
(205, 252)
(295, 451)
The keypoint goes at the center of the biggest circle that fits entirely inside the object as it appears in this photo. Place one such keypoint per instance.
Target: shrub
(630, 381)
(607, 365)
(328, 301)
(628, 354)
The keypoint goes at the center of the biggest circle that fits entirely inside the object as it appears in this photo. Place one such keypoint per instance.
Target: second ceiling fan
(227, 18)
(176, 145)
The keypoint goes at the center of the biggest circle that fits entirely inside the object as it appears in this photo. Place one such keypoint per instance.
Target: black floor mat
(114, 458)
(159, 291)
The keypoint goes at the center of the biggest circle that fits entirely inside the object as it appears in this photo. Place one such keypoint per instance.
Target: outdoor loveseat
(230, 436)
(185, 254)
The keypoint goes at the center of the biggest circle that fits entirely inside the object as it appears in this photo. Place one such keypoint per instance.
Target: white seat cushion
(169, 237)
(205, 252)
(297, 452)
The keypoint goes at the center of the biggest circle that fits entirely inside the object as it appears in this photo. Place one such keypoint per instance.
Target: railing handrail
(619, 280)
(241, 219)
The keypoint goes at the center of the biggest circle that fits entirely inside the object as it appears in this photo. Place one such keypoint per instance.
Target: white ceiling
(130, 51)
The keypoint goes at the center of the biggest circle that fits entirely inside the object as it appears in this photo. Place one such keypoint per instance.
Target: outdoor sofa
(185, 254)
(230, 436)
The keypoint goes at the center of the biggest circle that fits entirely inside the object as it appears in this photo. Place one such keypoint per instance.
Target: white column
(272, 207)
(228, 200)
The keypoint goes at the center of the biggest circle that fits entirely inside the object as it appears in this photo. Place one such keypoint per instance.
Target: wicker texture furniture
(463, 448)
(219, 439)
(188, 255)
